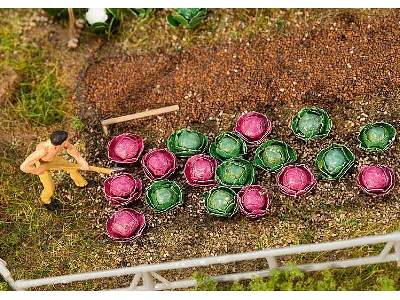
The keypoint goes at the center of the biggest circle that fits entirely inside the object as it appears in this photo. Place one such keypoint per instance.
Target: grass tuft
(40, 97)
(77, 124)
(42, 102)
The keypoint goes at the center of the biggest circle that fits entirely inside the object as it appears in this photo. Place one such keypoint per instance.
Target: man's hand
(39, 170)
(28, 166)
(84, 165)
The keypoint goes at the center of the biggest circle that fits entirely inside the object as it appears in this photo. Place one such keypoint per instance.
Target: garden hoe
(64, 166)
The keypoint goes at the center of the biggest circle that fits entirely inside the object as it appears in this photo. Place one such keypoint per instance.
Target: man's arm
(28, 166)
(71, 149)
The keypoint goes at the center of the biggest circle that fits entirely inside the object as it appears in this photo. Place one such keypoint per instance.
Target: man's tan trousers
(48, 183)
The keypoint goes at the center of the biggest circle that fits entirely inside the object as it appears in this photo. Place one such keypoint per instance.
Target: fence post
(272, 262)
(148, 281)
(390, 253)
(397, 252)
(7, 275)
(386, 250)
(135, 280)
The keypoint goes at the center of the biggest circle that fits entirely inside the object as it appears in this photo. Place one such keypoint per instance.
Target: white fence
(150, 280)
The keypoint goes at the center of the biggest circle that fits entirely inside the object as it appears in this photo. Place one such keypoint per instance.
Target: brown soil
(348, 66)
(321, 63)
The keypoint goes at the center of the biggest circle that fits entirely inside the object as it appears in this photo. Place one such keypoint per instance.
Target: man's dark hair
(58, 137)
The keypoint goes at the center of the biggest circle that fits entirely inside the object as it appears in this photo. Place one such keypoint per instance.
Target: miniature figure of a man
(48, 152)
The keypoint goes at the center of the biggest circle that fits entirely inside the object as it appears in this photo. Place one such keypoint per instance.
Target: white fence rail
(150, 280)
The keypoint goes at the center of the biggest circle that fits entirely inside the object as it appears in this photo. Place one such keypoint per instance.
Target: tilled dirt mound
(350, 67)
(323, 63)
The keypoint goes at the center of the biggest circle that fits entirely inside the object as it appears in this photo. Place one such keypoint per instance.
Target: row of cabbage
(225, 165)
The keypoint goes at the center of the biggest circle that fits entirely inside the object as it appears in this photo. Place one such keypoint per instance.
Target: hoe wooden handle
(139, 115)
(101, 170)
(56, 166)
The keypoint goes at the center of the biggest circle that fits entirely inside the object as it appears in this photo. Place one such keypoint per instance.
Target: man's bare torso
(47, 152)
(50, 150)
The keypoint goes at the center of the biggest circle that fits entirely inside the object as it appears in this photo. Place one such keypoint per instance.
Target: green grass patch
(42, 102)
(292, 279)
(40, 97)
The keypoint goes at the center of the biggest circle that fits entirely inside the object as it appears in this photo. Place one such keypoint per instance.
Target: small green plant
(189, 18)
(142, 13)
(205, 283)
(307, 237)
(237, 286)
(327, 283)
(261, 244)
(281, 25)
(385, 284)
(77, 124)
(4, 286)
(288, 279)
